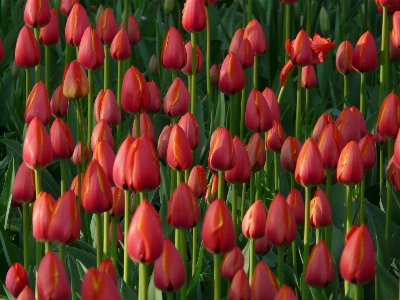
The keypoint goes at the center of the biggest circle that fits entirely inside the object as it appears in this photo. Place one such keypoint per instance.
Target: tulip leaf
(196, 276)
(85, 258)
(164, 197)
(382, 248)
(388, 282)
(318, 293)
(76, 278)
(220, 112)
(153, 292)
(8, 293)
(127, 292)
(11, 252)
(6, 192)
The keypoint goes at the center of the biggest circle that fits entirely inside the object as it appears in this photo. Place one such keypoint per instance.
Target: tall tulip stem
(252, 259)
(242, 202)
(258, 185)
(249, 10)
(98, 239)
(25, 217)
(234, 207)
(106, 234)
(221, 184)
(114, 250)
(287, 22)
(61, 253)
(193, 77)
(255, 72)
(306, 113)
(63, 172)
(363, 88)
(345, 90)
(276, 173)
(389, 196)
(349, 211)
(67, 57)
(142, 281)
(242, 112)
(328, 192)
(90, 111)
(384, 67)
(281, 263)
(106, 68)
(252, 186)
(298, 106)
(362, 196)
(47, 67)
(306, 241)
(194, 248)
(27, 83)
(183, 251)
(308, 20)
(37, 67)
(217, 276)
(81, 134)
(126, 226)
(119, 87)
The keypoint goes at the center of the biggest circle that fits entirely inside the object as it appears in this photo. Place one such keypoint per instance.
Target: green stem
(281, 263)
(63, 170)
(349, 211)
(343, 22)
(27, 83)
(257, 185)
(81, 134)
(384, 67)
(61, 253)
(249, 10)
(126, 226)
(183, 251)
(98, 239)
(267, 169)
(193, 77)
(90, 112)
(47, 68)
(308, 24)
(106, 234)
(67, 53)
(46, 247)
(307, 113)
(137, 123)
(221, 185)
(306, 241)
(119, 87)
(287, 23)
(294, 256)
(252, 259)
(243, 200)
(362, 196)
(276, 173)
(255, 71)
(362, 94)
(37, 67)
(298, 106)
(217, 277)
(328, 192)
(234, 208)
(252, 190)
(389, 197)
(142, 281)
(194, 248)
(170, 295)
(356, 295)
(242, 113)
(232, 119)
(106, 67)
(317, 235)
(114, 250)
(126, 8)
(25, 216)
(345, 90)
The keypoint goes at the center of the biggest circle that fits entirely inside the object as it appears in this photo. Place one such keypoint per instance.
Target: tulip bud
(188, 123)
(232, 262)
(231, 77)
(389, 116)
(118, 207)
(91, 51)
(27, 52)
(42, 215)
(145, 239)
(183, 209)
(98, 285)
(107, 267)
(330, 145)
(253, 223)
(61, 139)
(120, 48)
(218, 233)
(37, 104)
(120, 234)
(309, 169)
(264, 284)
(59, 103)
(134, 34)
(194, 16)
(155, 98)
(320, 210)
(169, 272)
(52, 281)
(322, 122)
(275, 137)
(396, 153)
(222, 155)
(153, 64)
(96, 195)
(240, 287)
(37, 13)
(296, 203)
(299, 49)
(163, 142)
(281, 225)
(76, 156)
(50, 34)
(365, 58)
(256, 152)
(179, 154)
(26, 294)
(286, 293)
(75, 81)
(214, 74)
(270, 97)
(187, 69)
(258, 114)
(245, 54)
(168, 6)
(146, 127)
(241, 172)
(23, 189)
(357, 263)
(176, 101)
(289, 153)
(308, 77)
(255, 34)
(344, 57)
(396, 30)
(211, 189)
(106, 108)
(101, 132)
(16, 279)
(77, 23)
(173, 53)
(135, 92)
(236, 40)
(394, 51)
(348, 125)
(197, 181)
(385, 3)
(66, 6)
(393, 174)
(367, 149)
(106, 27)
(360, 121)
(262, 245)
(350, 170)
(105, 156)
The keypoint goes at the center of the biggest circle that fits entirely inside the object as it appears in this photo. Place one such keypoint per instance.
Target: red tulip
(212, 189)
(330, 145)
(107, 267)
(118, 206)
(320, 268)
(367, 149)
(264, 284)
(232, 262)
(101, 132)
(37, 13)
(142, 172)
(176, 101)
(360, 120)
(61, 139)
(187, 69)
(188, 123)
(23, 189)
(26, 294)
(59, 103)
(240, 287)
(289, 153)
(394, 51)
(173, 54)
(262, 245)
(231, 77)
(38, 104)
(145, 239)
(194, 16)
(365, 58)
(76, 156)
(275, 137)
(214, 74)
(106, 27)
(98, 285)
(75, 81)
(286, 293)
(197, 181)
(27, 52)
(273, 104)
(320, 210)
(218, 233)
(42, 215)
(106, 108)
(77, 23)
(91, 51)
(379, 139)
(385, 3)
(395, 34)
(37, 151)
(299, 49)
(96, 195)
(222, 155)
(320, 47)
(120, 48)
(183, 209)
(135, 92)
(134, 34)
(258, 114)
(344, 57)
(146, 127)
(396, 154)
(241, 172)
(179, 154)
(16, 279)
(163, 142)
(296, 203)
(308, 77)
(357, 263)
(322, 122)
(105, 156)
(393, 174)
(348, 126)
(309, 169)
(350, 168)
(281, 227)
(255, 34)
(52, 281)
(256, 151)
(169, 272)
(253, 223)
(155, 98)
(389, 116)
(50, 34)
(66, 6)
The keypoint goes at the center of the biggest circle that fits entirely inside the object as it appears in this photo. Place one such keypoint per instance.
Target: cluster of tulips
(119, 174)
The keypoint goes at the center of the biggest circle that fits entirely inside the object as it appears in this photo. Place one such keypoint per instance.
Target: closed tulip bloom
(255, 34)
(176, 101)
(385, 3)
(146, 127)
(350, 170)
(241, 172)
(256, 152)
(231, 77)
(16, 279)
(380, 139)
(348, 126)
(394, 51)
(142, 171)
(197, 181)
(320, 268)
(308, 77)
(38, 104)
(107, 267)
(281, 225)
(118, 207)
(134, 34)
(285, 293)
(360, 121)
(101, 132)
(42, 215)
(66, 6)
(37, 13)
(169, 272)
(179, 154)
(37, 151)
(105, 156)
(357, 263)
(26, 294)
(173, 53)
(106, 108)
(264, 284)
(222, 155)
(187, 69)
(194, 16)
(50, 34)
(75, 81)
(393, 174)
(120, 235)
(211, 189)
(23, 189)
(258, 114)
(309, 169)
(299, 49)
(189, 125)
(183, 209)
(91, 52)
(395, 34)
(120, 48)
(77, 23)
(163, 139)
(262, 245)
(322, 122)
(52, 280)
(245, 54)
(344, 57)
(273, 104)
(365, 58)
(236, 40)
(396, 153)
(240, 287)
(289, 153)
(98, 285)
(106, 27)
(145, 237)
(76, 156)
(214, 74)
(330, 144)
(61, 139)
(367, 149)
(59, 103)
(65, 224)
(389, 116)
(320, 210)
(155, 98)
(27, 52)
(96, 195)
(135, 92)
(153, 64)
(275, 137)
(232, 262)
(253, 223)
(296, 203)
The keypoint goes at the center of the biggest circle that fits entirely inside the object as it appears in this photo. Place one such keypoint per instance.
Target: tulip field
(199, 149)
